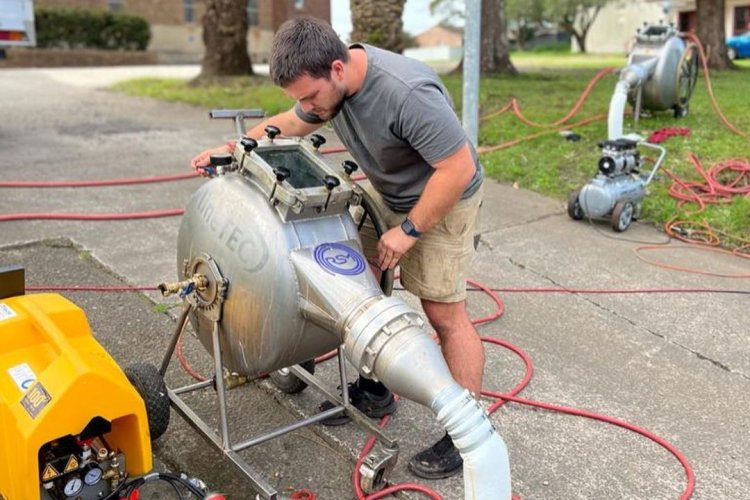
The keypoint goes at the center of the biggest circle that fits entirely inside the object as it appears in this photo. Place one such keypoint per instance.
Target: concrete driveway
(677, 364)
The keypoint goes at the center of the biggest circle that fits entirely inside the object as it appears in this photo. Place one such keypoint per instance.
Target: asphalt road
(676, 364)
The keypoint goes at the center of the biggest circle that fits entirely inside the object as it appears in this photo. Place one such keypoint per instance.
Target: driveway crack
(593, 302)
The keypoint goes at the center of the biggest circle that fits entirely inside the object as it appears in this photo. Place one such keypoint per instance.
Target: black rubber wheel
(574, 206)
(150, 385)
(687, 76)
(287, 382)
(681, 111)
(622, 216)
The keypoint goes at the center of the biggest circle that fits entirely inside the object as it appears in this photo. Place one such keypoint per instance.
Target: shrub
(90, 29)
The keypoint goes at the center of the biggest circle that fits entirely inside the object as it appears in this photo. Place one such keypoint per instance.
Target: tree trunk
(379, 22)
(580, 41)
(494, 53)
(225, 39)
(521, 37)
(712, 34)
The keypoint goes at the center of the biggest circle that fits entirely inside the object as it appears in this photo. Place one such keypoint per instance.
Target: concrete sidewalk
(676, 364)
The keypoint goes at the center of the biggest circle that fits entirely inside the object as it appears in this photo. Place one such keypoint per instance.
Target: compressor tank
(599, 195)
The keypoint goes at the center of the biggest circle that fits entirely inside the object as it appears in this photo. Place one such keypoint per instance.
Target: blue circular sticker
(339, 259)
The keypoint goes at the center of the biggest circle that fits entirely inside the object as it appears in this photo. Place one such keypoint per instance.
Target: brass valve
(197, 282)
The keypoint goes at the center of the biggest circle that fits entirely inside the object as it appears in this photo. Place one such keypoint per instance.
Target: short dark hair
(305, 46)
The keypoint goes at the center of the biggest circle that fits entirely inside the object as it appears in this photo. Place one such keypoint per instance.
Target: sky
(416, 17)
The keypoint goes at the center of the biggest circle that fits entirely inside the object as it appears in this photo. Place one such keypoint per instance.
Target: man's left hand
(392, 245)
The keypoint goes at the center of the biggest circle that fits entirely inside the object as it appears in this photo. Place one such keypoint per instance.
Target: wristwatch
(408, 227)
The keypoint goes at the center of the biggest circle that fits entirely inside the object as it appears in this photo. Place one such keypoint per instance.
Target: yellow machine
(72, 424)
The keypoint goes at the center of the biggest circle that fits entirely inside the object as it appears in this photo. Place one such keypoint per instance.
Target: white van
(17, 23)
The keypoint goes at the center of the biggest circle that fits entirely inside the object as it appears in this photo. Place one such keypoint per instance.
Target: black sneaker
(439, 461)
(372, 405)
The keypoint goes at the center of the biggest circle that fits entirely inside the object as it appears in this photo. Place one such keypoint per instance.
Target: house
(439, 43)
(442, 35)
(736, 16)
(614, 27)
(176, 31)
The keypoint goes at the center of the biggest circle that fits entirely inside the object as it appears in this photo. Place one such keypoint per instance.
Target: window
(189, 6)
(741, 20)
(252, 12)
(115, 5)
(299, 4)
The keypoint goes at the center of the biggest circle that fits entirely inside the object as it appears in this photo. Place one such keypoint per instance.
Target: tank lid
(308, 190)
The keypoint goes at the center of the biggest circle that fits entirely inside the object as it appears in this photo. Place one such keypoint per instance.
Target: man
(396, 119)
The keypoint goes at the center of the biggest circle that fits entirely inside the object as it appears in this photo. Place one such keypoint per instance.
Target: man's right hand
(204, 159)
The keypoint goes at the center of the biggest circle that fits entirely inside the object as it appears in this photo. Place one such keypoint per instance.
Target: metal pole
(472, 46)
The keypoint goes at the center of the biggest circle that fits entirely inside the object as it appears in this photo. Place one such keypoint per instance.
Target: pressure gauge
(73, 487)
(92, 475)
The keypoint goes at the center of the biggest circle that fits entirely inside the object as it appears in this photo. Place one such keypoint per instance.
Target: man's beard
(330, 113)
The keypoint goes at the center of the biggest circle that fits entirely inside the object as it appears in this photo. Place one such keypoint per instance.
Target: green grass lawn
(547, 88)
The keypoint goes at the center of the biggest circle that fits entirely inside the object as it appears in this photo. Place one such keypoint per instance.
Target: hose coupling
(185, 287)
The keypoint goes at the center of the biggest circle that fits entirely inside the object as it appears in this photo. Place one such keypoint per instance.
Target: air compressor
(660, 76)
(72, 425)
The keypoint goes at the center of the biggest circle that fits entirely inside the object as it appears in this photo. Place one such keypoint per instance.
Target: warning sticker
(23, 376)
(49, 473)
(35, 399)
(6, 312)
(71, 465)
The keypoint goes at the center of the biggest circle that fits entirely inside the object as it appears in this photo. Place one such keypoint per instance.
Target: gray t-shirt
(397, 124)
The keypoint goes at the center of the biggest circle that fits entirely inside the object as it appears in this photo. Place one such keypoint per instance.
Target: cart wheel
(287, 382)
(681, 111)
(574, 206)
(687, 76)
(150, 385)
(622, 216)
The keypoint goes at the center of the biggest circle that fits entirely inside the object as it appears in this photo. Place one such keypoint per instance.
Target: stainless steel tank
(277, 226)
(250, 223)
(660, 42)
(661, 74)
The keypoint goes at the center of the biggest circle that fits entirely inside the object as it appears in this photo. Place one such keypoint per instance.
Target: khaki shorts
(437, 266)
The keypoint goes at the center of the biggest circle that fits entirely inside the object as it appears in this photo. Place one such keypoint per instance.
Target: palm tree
(379, 22)
(225, 39)
(712, 34)
(495, 55)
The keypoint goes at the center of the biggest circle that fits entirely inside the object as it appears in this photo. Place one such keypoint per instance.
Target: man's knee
(446, 318)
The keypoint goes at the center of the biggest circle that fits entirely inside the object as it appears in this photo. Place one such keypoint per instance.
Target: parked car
(739, 46)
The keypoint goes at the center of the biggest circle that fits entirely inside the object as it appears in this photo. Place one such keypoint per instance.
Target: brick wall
(81, 4)
(168, 12)
(176, 41)
(271, 13)
(19, 57)
(287, 9)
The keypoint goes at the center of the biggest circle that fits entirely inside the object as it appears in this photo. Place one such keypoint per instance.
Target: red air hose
(693, 38)
(80, 216)
(516, 106)
(502, 398)
(97, 183)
